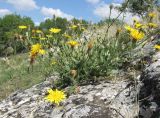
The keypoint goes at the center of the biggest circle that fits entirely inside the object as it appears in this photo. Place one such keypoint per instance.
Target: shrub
(82, 61)
(9, 31)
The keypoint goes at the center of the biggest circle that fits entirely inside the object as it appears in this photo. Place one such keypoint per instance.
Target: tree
(139, 7)
(58, 22)
(8, 27)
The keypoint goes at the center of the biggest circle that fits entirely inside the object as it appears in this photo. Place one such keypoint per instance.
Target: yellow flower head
(53, 62)
(152, 25)
(128, 28)
(138, 25)
(42, 38)
(72, 43)
(55, 96)
(152, 15)
(73, 26)
(22, 27)
(54, 30)
(42, 52)
(136, 34)
(38, 31)
(157, 47)
(35, 49)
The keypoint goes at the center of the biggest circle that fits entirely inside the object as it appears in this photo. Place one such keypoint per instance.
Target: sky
(39, 10)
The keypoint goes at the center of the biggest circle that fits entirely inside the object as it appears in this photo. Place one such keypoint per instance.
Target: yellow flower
(42, 52)
(72, 43)
(152, 14)
(136, 34)
(128, 28)
(152, 25)
(157, 47)
(54, 30)
(35, 49)
(53, 62)
(67, 36)
(22, 27)
(138, 25)
(144, 26)
(73, 27)
(38, 31)
(55, 96)
(42, 38)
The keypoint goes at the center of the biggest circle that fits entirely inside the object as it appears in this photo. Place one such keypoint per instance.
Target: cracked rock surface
(150, 91)
(104, 100)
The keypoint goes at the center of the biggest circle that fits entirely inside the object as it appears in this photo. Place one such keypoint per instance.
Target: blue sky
(39, 10)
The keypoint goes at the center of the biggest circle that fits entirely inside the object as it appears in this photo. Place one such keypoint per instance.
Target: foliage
(106, 21)
(79, 61)
(93, 59)
(8, 32)
(140, 6)
(58, 22)
(54, 22)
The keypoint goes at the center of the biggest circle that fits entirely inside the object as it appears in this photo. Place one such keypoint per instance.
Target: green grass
(14, 74)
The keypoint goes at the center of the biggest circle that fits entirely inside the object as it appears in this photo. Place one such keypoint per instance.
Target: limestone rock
(150, 91)
(105, 100)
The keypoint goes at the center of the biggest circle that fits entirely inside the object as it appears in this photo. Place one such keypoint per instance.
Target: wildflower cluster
(139, 30)
(45, 45)
(22, 27)
(78, 60)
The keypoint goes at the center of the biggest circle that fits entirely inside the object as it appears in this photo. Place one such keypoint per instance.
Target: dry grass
(14, 74)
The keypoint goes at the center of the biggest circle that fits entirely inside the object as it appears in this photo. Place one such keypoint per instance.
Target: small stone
(103, 98)
(23, 101)
(98, 94)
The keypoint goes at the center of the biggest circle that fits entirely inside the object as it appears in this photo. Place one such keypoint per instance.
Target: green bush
(89, 60)
(9, 28)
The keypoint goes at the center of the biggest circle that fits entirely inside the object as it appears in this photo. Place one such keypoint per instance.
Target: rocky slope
(149, 94)
(150, 91)
(104, 100)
